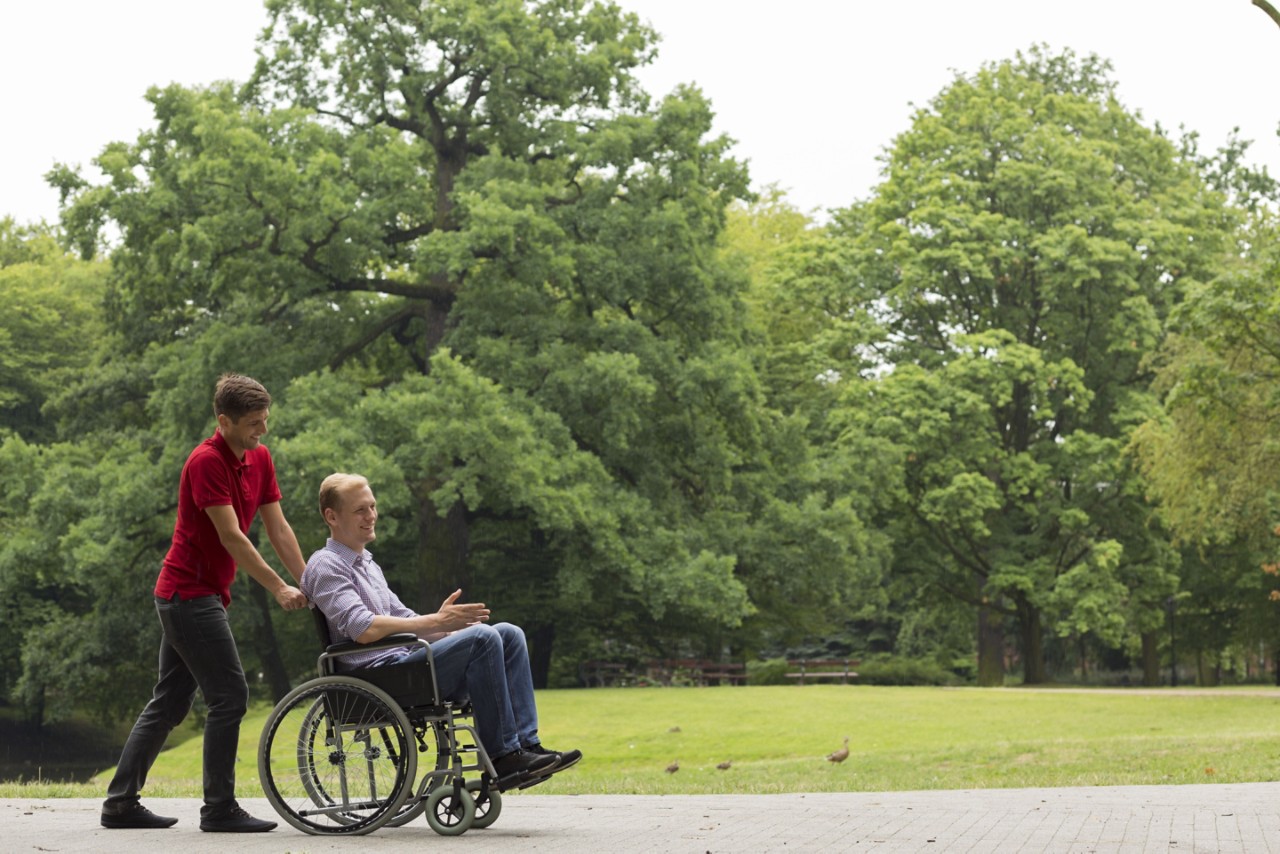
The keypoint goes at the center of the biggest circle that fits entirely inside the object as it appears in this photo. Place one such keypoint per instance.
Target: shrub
(773, 671)
(905, 671)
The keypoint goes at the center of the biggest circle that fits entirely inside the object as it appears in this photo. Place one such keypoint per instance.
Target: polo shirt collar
(220, 443)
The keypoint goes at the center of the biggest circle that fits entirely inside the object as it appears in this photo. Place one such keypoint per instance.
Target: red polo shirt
(197, 563)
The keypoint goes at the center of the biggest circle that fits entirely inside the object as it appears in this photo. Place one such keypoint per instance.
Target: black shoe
(564, 758)
(135, 817)
(235, 821)
(523, 762)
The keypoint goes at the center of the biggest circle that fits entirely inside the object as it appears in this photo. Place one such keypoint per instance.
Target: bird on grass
(725, 765)
(840, 755)
(673, 767)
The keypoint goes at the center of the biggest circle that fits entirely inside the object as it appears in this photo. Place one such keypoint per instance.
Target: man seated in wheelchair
(487, 665)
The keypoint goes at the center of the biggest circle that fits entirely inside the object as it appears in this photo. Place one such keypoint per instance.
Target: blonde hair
(333, 486)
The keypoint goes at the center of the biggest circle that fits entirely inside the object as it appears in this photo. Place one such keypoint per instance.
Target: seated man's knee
(510, 633)
(481, 637)
(485, 633)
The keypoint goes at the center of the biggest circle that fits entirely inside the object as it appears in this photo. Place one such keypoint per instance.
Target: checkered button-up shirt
(350, 590)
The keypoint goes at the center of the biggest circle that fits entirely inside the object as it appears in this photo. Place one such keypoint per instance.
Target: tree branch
(393, 238)
(399, 315)
(438, 294)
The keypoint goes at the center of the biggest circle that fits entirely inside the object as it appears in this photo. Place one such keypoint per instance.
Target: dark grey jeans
(197, 650)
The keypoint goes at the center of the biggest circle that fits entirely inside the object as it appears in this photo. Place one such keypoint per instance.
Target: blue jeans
(489, 665)
(197, 650)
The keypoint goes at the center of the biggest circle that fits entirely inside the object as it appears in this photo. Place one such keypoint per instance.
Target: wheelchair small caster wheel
(451, 810)
(488, 803)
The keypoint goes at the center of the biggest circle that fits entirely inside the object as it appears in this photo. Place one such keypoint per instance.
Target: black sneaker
(135, 817)
(564, 758)
(235, 820)
(523, 762)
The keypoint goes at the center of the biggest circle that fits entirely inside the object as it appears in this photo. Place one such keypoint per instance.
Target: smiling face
(353, 520)
(245, 433)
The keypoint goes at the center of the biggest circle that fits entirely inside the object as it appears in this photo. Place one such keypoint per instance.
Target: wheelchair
(340, 753)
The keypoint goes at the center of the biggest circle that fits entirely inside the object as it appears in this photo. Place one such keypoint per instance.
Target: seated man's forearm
(430, 627)
(383, 625)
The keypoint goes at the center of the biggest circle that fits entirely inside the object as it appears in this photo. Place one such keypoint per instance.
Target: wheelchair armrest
(388, 642)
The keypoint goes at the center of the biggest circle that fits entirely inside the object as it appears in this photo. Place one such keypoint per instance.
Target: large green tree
(811, 330)
(1210, 454)
(50, 331)
(1028, 239)
(473, 259)
(51, 325)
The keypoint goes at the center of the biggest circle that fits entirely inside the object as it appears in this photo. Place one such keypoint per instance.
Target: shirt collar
(349, 556)
(220, 443)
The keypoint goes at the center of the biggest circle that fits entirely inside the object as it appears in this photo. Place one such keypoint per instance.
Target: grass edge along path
(776, 738)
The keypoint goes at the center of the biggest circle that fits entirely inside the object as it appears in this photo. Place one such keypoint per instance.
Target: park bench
(822, 668)
(723, 673)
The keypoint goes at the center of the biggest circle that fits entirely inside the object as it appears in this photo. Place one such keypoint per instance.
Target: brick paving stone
(1200, 819)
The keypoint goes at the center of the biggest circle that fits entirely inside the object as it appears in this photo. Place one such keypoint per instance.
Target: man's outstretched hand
(454, 616)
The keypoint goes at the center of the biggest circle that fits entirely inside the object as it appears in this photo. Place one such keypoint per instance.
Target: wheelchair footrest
(518, 780)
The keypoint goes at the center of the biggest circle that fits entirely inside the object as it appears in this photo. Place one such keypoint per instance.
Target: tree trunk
(1034, 671)
(1208, 671)
(263, 637)
(1150, 660)
(443, 546)
(265, 643)
(541, 638)
(990, 647)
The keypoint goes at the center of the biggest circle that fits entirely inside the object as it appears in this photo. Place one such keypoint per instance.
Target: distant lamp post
(1269, 9)
(1171, 606)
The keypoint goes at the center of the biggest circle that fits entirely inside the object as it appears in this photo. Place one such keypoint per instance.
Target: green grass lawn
(777, 738)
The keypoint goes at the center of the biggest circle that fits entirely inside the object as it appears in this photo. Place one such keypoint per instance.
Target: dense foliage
(971, 423)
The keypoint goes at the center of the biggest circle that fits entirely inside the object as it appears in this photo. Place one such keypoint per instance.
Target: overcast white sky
(813, 90)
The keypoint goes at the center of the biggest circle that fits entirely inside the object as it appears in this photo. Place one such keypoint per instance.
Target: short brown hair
(236, 396)
(332, 487)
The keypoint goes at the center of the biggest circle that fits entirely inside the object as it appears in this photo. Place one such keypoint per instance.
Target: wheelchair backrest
(322, 626)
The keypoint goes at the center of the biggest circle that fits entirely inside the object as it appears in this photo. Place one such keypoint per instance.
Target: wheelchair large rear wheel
(337, 755)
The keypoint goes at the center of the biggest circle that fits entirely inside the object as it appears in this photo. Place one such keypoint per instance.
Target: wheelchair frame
(339, 754)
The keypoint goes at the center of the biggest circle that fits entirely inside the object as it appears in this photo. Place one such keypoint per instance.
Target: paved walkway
(1203, 818)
